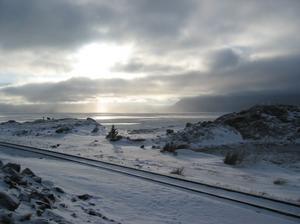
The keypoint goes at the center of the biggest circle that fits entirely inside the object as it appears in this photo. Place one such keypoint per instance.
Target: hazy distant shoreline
(120, 119)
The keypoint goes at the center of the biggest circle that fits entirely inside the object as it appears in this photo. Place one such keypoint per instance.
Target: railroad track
(256, 201)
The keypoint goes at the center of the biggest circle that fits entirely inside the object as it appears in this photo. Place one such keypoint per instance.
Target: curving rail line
(256, 201)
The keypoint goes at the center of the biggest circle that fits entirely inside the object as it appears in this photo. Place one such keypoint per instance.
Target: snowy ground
(125, 199)
(264, 166)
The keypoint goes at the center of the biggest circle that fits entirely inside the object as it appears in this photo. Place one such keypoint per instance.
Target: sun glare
(96, 60)
(102, 105)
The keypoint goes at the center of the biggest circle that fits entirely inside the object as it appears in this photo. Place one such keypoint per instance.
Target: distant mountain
(233, 102)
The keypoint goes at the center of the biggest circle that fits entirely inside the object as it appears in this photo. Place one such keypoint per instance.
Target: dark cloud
(34, 23)
(65, 23)
(276, 73)
(156, 21)
(72, 90)
(224, 58)
(47, 108)
(81, 89)
(169, 25)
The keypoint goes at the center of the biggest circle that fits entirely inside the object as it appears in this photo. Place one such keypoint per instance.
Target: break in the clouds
(147, 53)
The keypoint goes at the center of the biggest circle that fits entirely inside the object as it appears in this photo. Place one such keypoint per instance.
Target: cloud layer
(181, 49)
(278, 76)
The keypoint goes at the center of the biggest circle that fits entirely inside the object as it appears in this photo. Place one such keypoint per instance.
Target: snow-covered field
(269, 168)
(90, 195)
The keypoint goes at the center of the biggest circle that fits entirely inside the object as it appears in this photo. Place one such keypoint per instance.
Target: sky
(148, 55)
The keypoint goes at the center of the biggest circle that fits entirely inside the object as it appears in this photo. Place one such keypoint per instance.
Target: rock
(142, 146)
(28, 172)
(25, 217)
(6, 218)
(24, 197)
(54, 146)
(59, 190)
(1, 163)
(169, 131)
(39, 212)
(37, 179)
(55, 217)
(91, 120)
(96, 129)
(13, 179)
(13, 166)
(51, 197)
(13, 175)
(188, 124)
(8, 202)
(41, 197)
(10, 183)
(63, 205)
(96, 213)
(40, 221)
(84, 197)
(63, 130)
(43, 205)
(92, 212)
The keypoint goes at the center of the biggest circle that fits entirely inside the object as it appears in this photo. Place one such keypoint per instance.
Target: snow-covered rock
(8, 202)
(26, 200)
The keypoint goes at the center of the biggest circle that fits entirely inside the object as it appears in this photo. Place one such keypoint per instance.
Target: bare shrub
(280, 181)
(169, 147)
(178, 171)
(234, 157)
(172, 147)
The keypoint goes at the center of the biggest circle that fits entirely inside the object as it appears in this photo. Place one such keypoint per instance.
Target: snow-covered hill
(259, 124)
(266, 122)
(52, 127)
